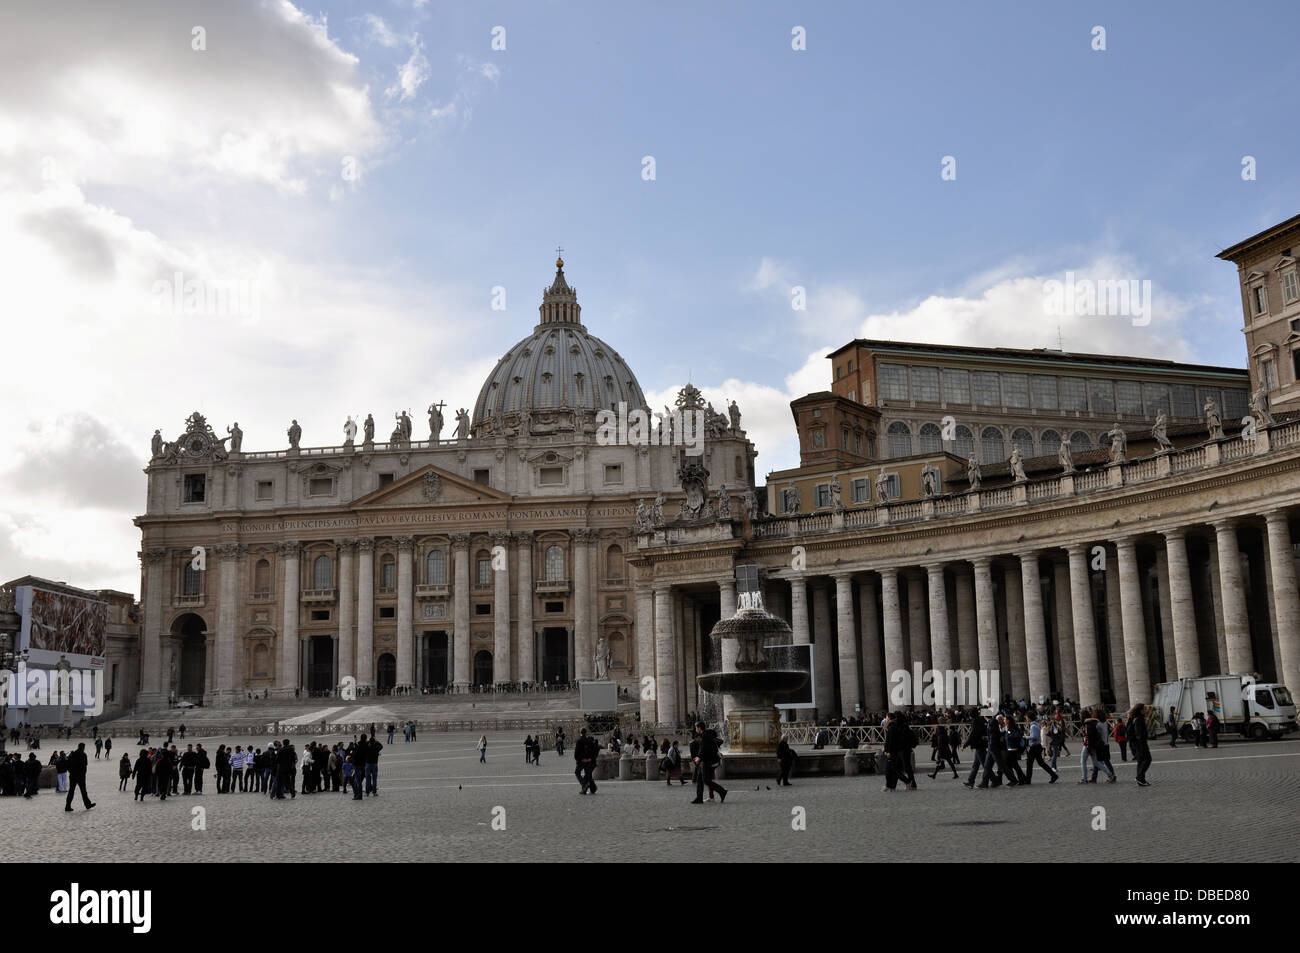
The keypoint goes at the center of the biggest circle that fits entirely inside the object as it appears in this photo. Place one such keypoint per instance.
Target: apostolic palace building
(1084, 525)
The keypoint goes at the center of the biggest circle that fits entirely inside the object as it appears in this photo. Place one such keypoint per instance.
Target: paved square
(1237, 802)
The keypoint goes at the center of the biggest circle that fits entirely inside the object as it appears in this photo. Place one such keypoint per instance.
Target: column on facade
(1236, 624)
(524, 636)
(501, 652)
(968, 652)
(729, 648)
(347, 608)
(460, 611)
(1065, 630)
(1085, 626)
(1282, 566)
(823, 650)
(288, 680)
(151, 690)
(582, 602)
(645, 654)
(1136, 660)
(940, 645)
(1216, 594)
(665, 658)
(1115, 632)
(873, 682)
(986, 620)
(1183, 611)
(405, 610)
(895, 657)
(227, 619)
(1270, 601)
(1036, 655)
(365, 612)
(1014, 596)
(850, 696)
(918, 636)
(799, 624)
(1166, 615)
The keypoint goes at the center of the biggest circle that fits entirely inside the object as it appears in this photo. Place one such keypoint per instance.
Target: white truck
(1242, 704)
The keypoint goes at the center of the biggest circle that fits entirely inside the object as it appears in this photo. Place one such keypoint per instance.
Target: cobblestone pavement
(437, 803)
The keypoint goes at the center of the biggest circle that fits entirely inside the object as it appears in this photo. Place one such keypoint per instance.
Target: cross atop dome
(559, 257)
(560, 301)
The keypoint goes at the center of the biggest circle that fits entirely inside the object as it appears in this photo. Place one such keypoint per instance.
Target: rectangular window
(1156, 397)
(320, 615)
(481, 477)
(1101, 393)
(1015, 390)
(1184, 401)
(893, 487)
(613, 474)
(956, 386)
(385, 479)
(844, 438)
(925, 384)
(1260, 298)
(893, 382)
(1268, 373)
(823, 495)
(265, 489)
(195, 487)
(1234, 402)
(482, 608)
(320, 486)
(1074, 394)
(1290, 287)
(1295, 364)
(551, 476)
(1128, 397)
(1043, 391)
(484, 575)
(388, 576)
(387, 612)
(860, 490)
(555, 607)
(984, 385)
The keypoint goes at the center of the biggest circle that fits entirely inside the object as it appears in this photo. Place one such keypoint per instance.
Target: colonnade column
(665, 657)
(730, 648)
(940, 646)
(227, 620)
(347, 606)
(501, 653)
(1136, 663)
(460, 613)
(850, 696)
(1065, 630)
(366, 612)
(968, 653)
(918, 639)
(1282, 564)
(1085, 626)
(895, 661)
(986, 620)
(1115, 633)
(645, 654)
(1186, 648)
(1241, 657)
(582, 602)
(822, 652)
(1036, 655)
(405, 610)
(524, 636)
(1015, 602)
(288, 675)
(873, 683)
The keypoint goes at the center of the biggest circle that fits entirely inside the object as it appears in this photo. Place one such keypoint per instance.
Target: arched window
(1023, 439)
(900, 439)
(931, 438)
(387, 572)
(992, 449)
(614, 563)
(964, 444)
(322, 573)
(1080, 442)
(483, 568)
(261, 661)
(262, 577)
(554, 564)
(617, 649)
(1051, 443)
(435, 568)
(192, 581)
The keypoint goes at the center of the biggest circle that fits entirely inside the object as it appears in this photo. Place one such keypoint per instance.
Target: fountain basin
(765, 682)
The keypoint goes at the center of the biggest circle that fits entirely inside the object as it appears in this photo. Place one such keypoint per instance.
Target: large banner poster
(57, 624)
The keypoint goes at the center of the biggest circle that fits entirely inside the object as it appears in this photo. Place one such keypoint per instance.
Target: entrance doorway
(386, 673)
(320, 663)
(482, 668)
(436, 660)
(555, 655)
(194, 656)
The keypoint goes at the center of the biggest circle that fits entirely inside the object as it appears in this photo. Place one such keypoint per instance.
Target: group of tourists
(1205, 729)
(19, 778)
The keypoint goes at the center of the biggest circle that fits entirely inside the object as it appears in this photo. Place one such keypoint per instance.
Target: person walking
(1015, 739)
(585, 753)
(372, 766)
(482, 749)
(1093, 748)
(1035, 755)
(142, 772)
(978, 742)
(357, 759)
(391, 729)
(201, 764)
(942, 752)
(1121, 738)
(785, 758)
(1212, 729)
(99, 746)
(1171, 725)
(708, 759)
(1137, 735)
(108, 747)
(188, 760)
(162, 770)
(77, 764)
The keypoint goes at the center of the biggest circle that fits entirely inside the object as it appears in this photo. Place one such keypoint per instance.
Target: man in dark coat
(77, 765)
(284, 766)
(188, 760)
(708, 759)
(978, 741)
(1139, 742)
(785, 758)
(33, 769)
(585, 753)
(162, 770)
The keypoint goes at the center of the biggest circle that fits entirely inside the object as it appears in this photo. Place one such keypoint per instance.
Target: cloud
(411, 75)
(378, 31)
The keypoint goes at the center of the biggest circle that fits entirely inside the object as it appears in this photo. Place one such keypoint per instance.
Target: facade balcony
(189, 602)
(261, 595)
(552, 586)
(432, 590)
(319, 595)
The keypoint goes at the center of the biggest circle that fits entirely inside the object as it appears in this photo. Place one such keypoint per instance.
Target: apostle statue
(882, 486)
(295, 434)
(156, 444)
(1118, 444)
(657, 510)
(1065, 454)
(1259, 407)
(349, 431)
(603, 658)
(435, 422)
(973, 473)
(369, 432)
(1160, 432)
(643, 524)
(722, 505)
(750, 502)
(837, 495)
(733, 411)
(1017, 461)
(462, 424)
(1213, 420)
(236, 437)
(793, 500)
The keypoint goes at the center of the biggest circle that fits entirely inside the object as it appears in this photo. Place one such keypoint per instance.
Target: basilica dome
(557, 378)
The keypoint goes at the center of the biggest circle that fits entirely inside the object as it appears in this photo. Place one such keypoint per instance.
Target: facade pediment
(432, 486)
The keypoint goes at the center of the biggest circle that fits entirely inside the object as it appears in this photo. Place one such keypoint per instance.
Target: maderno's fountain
(754, 647)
